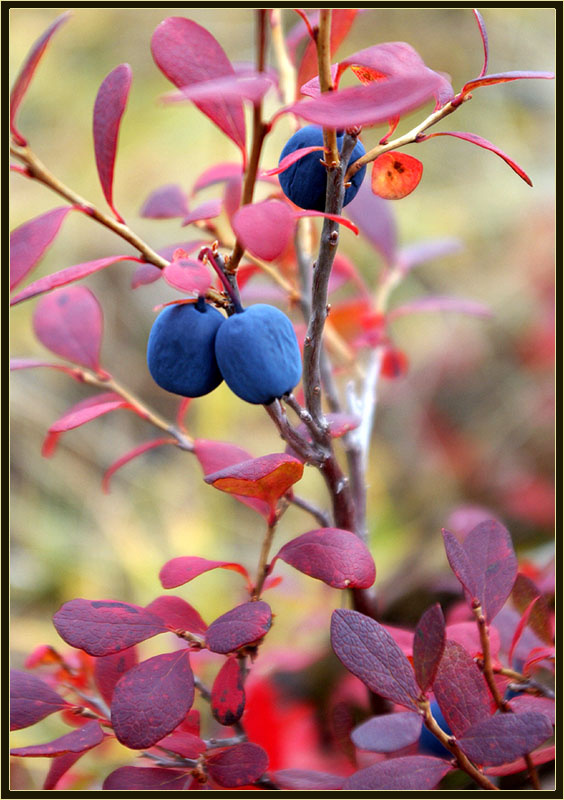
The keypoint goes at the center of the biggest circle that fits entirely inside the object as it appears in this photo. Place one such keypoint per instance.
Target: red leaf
(265, 229)
(370, 653)
(29, 242)
(237, 765)
(207, 210)
(108, 110)
(540, 620)
(536, 655)
(428, 646)
(480, 142)
(520, 627)
(341, 21)
(166, 202)
(188, 275)
(460, 689)
(31, 700)
(307, 779)
(26, 74)
(183, 743)
(505, 737)
(459, 563)
(540, 757)
(494, 565)
(395, 175)
(187, 54)
(251, 86)
(103, 627)
(228, 692)
(291, 158)
(177, 614)
(504, 77)
(125, 459)
(434, 303)
(180, 570)
(67, 275)
(484, 35)
(394, 362)
(407, 772)
(241, 626)
(109, 669)
(336, 557)
(151, 778)
(69, 322)
(219, 173)
(388, 732)
(60, 765)
(528, 702)
(76, 741)
(335, 217)
(144, 274)
(468, 635)
(152, 699)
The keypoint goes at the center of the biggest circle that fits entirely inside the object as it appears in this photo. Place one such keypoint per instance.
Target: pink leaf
(125, 459)
(183, 569)
(460, 689)
(166, 202)
(439, 303)
(177, 614)
(427, 250)
(388, 732)
(265, 229)
(60, 765)
(291, 158)
(336, 557)
(68, 275)
(504, 77)
(30, 363)
(26, 74)
(542, 756)
(537, 655)
(188, 275)
(219, 173)
(31, 700)
(484, 35)
(108, 110)
(103, 627)
(370, 653)
(183, 743)
(158, 779)
(152, 699)
(29, 242)
(77, 741)
(374, 217)
(335, 217)
(407, 772)
(238, 765)
(243, 625)
(307, 779)
(529, 702)
(468, 635)
(251, 86)
(428, 646)
(505, 737)
(228, 692)
(494, 565)
(341, 21)
(109, 669)
(207, 210)
(144, 274)
(188, 54)
(69, 322)
(480, 142)
(520, 627)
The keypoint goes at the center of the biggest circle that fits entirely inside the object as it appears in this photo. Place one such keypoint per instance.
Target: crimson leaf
(228, 692)
(31, 700)
(388, 732)
(129, 456)
(505, 737)
(180, 570)
(242, 625)
(76, 741)
(146, 778)
(29, 241)
(185, 744)
(60, 765)
(407, 772)
(238, 765)
(428, 646)
(109, 669)
(460, 689)
(177, 614)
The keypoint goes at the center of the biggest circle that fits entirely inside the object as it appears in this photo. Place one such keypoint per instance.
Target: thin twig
(323, 39)
(323, 518)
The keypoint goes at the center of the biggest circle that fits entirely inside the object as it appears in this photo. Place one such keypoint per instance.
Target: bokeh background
(470, 424)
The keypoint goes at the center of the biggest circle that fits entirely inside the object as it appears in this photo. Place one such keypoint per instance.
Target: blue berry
(428, 742)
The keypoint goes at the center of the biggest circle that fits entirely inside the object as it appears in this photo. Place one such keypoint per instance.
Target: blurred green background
(472, 422)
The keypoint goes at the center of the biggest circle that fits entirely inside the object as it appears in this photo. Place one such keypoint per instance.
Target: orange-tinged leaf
(395, 175)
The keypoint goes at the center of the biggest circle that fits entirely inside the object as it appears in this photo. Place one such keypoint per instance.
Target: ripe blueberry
(258, 354)
(428, 742)
(180, 351)
(305, 181)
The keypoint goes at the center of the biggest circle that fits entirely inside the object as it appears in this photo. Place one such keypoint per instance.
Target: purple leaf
(484, 35)
(60, 765)
(186, 53)
(26, 74)
(103, 627)
(291, 158)
(504, 77)
(29, 242)
(407, 772)
(388, 732)
(76, 741)
(251, 86)
(265, 229)
(307, 779)
(427, 250)
(238, 765)
(147, 778)
(152, 699)
(68, 275)
(166, 202)
(228, 692)
(494, 565)
(540, 621)
(69, 322)
(428, 646)
(459, 563)
(243, 625)
(505, 737)
(188, 275)
(219, 173)
(207, 210)
(108, 111)
(370, 653)
(125, 459)
(180, 570)
(185, 744)
(144, 274)
(468, 635)
(177, 614)
(434, 303)
(460, 689)
(31, 700)
(374, 217)
(109, 669)
(529, 702)
(336, 557)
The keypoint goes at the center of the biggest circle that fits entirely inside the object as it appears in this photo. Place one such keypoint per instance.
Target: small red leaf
(336, 557)
(406, 772)
(188, 275)
(26, 74)
(228, 692)
(265, 229)
(166, 202)
(31, 700)
(144, 274)
(60, 765)
(103, 627)
(152, 699)
(183, 743)
(307, 779)
(291, 158)
(428, 646)
(125, 459)
(69, 322)
(29, 242)
(504, 77)
(394, 363)
(505, 737)
(484, 35)
(434, 303)
(335, 217)
(207, 210)
(68, 275)
(238, 765)
(537, 655)
(158, 779)
(520, 628)
(388, 732)
(77, 741)
(395, 175)
(177, 614)
(460, 689)
(243, 625)
(109, 669)
(180, 570)
(540, 620)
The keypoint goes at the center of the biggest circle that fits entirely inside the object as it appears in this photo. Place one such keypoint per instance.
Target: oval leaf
(505, 737)
(144, 274)
(243, 625)
(238, 765)
(152, 699)
(407, 772)
(459, 563)
(31, 700)
(388, 732)
(228, 692)
(103, 627)
(60, 765)
(77, 741)
(336, 557)
(109, 669)
(166, 202)
(177, 614)
(489, 550)
(395, 175)
(251, 86)
(188, 275)
(460, 689)
(370, 653)
(157, 779)
(180, 570)
(29, 242)
(428, 646)
(185, 744)
(265, 229)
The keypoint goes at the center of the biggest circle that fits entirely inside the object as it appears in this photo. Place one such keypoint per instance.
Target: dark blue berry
(258, 354)
(180, 351)
(428, 742)
(305, 181)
